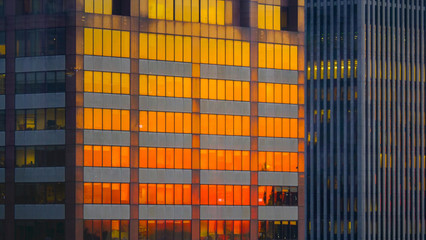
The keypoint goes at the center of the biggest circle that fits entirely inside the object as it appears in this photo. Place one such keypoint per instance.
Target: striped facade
(365, 116)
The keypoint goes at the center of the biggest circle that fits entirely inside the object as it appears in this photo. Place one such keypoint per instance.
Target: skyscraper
(365, 113)
(151, 119)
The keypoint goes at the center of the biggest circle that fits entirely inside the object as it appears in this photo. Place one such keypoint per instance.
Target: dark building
(365, 119)
(151, 119)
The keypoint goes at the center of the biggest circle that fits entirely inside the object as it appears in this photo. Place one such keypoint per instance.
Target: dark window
(2, 157)
(40, 119)
(1, 14)
(278, 230)
(278, 196)
(106, 229)
(121, 7)
(2, 225)
(2, 120)
(39, 229)
(40, 82)
(39, 193)
(2, 44)
(28, 7)
(40, 42)
(2, 193)
(40, 156)
(289, 15)
(244, 13)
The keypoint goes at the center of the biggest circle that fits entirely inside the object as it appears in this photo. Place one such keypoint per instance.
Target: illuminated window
(106, 119)
(110, 229)
(278, 161)
(169, 194)
(277, 56)
(106, 156)
(106, 82)
(165, 47)
(114, 7)
(106, 193)
(278, 230)
(277, 196)
(40, 119)
(164, 229)
(105, 42)
(220, 229)
(224, 195)
(176, 158)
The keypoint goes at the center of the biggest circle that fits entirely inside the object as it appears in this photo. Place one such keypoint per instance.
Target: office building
(365, 112)
(151, 119)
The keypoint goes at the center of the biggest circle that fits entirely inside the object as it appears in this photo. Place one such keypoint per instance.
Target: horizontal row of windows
(39, 229)
(40, 156)
(106, 193)
(106, 156)
(109, 7)
(39, 193)
(164, 229)
(219, 229)
(225, 90)
(106, 230)
(173, 122)
(224, 195)
(276, 230)
(269, 16)
(106, 82)
(105, 42)
(280, 127)
(40, 82)
(40, 119)
(40, 42)
(106, 119)
(176, 158)
(280, 161)
(277, 196)
(165, 47)
(165, 86)
(225, 52)
(225, 125)
(278, 93)
(212, 159)
(178, 194)
(30, 7)
(277, 56)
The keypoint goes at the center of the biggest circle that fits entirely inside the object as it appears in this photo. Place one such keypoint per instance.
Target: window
(2, 120)
(40, 42)
(2, 41)
(40, 193)
(2, 193)
(176, 158)
(106, 82)
(114, 7)
(106, 156)
(228, 90)
(166, 86)
(106, 119)
(40, 156)
(213, 159)
(277, 196)
(278, 127)
(2, 84)
(40, 119)
(279, 161)
(279, 93)
(1, 14)
(39, 229)
(165, 47)
(2, 157)
(40, 82)
(177, 194)
(289, 16)
(106, 193)
(107, 229)
(106, 42)
(224, 195)
(27, 7)
(219, 229)
(278, 230)
(164, 229)
(277, 56)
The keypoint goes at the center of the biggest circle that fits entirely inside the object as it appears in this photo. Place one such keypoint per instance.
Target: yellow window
(186, 10)
(212, 51)
(170, 48)
(178, 10)
(286, 57)
(116, 43)
(261, 16)
(246, 54)
(125, 83)
(88, 41)
(98, 6)
(143, 45)
(293, 57)
(161, 9)
(277, 18)
(262, 55)
(170, 86)
(125, 44)
(187, 49)
(229, 52)
(106, 80)
(278, 56)
(108, 7)
(152, 8)
(204, 50)
(195, 10)
(268, 17)
(152, 43)
(237, 53)
(88, 6)
(212, 11)
(169, 9)
(161, 51)
(203, 11)
(220, 12)
(143, 85)
(88, 81)
(221, 51)
(97, 82)
(178, 48)
(97, 40)
(152, 85)
(269, 55)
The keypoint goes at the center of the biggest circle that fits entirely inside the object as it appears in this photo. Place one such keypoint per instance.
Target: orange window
(286, 162)
(125, 157)
(125, 120)
(106, 193)
(169, 157)
(269, 92)
(88, 156)
(125, 193)
(178, 158)
(262, 161)
(178, 194)
(277, 162)
(161, 194)
(286, 93)
(143, 121)
(269, 161)
(178, 122)
(106, 154)
(278, 93)
(143, 85)
(161, 158)
(220, 124)
(187, 158)
(220, 159)
(262, 92)
(143, 193)
(269, 127)
(204, 194)
(116, 120)
(220, 195)
(116, 83)
(293, 162)
(125, 83)
(187, 123)
(152, 193)
(170, 86)
(170, 122)
(237, 125)
(212, 124)
(143, 157)
(169, 193)
(278, 55)
(293, 94)
(187, 194)
(97, 82)
(212, 195)
(115, 156)
(161, 86)
(229, 124)
(229, 90)
(246, 91)
(212, 159)
(245, 195)
(237, 160)
(221, 89)
(204, 87)
(293, 128)
(212, 89)
(237, 91)
(88, 81)
(286, 57)
(178, 87)
(204, 159)
(152, 121)
(261, 195)
(187, 88)
(286, 127)
(97, 119)
(161, 121)
(152, 85)
(301, 163)
(246, 126)
(229, 160)
(278, 131)
(97, 156)
(152, 158)
(106, 117)
(245, 160)
(237, 195)
(229, 195)
(88, 194)
(106, 82)
(97, 193)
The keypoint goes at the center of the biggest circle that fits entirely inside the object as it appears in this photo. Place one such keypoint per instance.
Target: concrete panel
(277, 144)
(224, 212)
(165, 104)
(2, 139)
(2, 175)
(106, 211)
(41, 100)
(225, 177)
(43, 137)
(106, 64)
(165, 212)
(177, 140)
(114, 138)
(278, 213)
(2, 102)
(165, 68)
(224, 72)
(106, 174)
(224, 142)
(105, 100)
(2, 65)
(40, 174)
(288, 179)
(39, 64)
(278, 110)
(225, 107)
(39, 211)
(277, 76)
(2, 211)
(177, 176)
